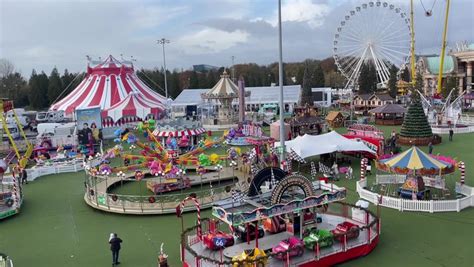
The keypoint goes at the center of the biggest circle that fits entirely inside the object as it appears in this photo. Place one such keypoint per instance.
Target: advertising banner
(89, 116)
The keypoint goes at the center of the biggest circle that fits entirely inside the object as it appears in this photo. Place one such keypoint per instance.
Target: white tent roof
(313, 145)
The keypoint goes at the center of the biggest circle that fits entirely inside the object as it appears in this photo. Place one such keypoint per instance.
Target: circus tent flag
(106, 84)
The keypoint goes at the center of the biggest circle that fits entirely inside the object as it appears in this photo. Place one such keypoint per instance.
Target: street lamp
(162, 42)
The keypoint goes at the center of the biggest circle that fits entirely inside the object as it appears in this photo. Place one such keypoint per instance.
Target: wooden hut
(388, 114)
(335, 119)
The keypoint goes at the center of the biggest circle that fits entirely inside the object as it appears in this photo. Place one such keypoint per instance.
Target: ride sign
(219, 242)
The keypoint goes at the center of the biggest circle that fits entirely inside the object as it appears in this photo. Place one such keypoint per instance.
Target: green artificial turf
(56, 227)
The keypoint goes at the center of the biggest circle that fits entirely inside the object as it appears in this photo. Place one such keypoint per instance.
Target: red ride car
(218, 240)
(351, 229)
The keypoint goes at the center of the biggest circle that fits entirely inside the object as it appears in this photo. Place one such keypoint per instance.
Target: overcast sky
(43, 34)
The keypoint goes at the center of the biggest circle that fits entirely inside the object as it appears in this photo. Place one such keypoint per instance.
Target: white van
(14, 131)
(50, 116)
(24, 120)
(56, 134)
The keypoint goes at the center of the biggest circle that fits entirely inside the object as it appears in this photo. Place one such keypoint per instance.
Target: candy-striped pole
(198, 209)
(462, 168)
(15, 189)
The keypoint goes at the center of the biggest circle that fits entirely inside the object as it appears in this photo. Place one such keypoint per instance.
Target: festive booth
(275, 130)
(108, 84)
(185, 138)
(335, 119)
(389, 114)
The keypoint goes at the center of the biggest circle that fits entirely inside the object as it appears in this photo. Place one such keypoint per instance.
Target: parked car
(218, 240)
(351, 229)
(323, 237)
(293, 245)
(241, 232)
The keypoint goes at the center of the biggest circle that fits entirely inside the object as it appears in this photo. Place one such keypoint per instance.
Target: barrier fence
(419, 205)
(98, 197)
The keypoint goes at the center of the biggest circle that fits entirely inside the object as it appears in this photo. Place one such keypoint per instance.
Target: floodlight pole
(162, 42)
(280, 81)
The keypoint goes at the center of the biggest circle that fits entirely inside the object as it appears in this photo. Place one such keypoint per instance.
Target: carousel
(296, 223)
(419, 176)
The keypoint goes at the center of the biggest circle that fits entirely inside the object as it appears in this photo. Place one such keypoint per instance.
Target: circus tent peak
(106, 84)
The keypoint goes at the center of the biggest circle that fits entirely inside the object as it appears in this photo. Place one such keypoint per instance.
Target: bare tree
(6, 67)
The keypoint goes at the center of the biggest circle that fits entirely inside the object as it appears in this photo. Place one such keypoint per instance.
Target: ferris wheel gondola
(376, 32)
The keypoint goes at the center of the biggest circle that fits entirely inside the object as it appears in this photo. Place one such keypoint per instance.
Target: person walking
(451, 133)
(114, 242)
(430, 148)
(23, 176)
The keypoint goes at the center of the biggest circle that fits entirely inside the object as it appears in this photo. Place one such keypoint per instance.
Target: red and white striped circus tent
(106, 85)
(134, 107)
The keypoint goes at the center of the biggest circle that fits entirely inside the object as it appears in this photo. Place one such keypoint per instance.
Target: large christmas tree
(415, 123)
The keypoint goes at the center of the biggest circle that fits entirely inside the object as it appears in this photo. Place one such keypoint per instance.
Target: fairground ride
(358, 41)
(6, 106)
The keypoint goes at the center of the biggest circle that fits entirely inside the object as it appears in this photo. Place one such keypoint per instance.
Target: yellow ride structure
(5, 106)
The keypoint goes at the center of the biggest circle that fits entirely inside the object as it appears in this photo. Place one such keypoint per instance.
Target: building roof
(389, 109)
(432, 64)
(258, 95)
(332, 115)
(224, 88)
(383, 97)
(364, 96)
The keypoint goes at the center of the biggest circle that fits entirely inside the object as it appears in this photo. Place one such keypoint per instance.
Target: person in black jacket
(114, 242)
(23, 176)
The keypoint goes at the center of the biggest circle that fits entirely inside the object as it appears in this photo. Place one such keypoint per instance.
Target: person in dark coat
(451, 133)
(430, 148)
(23, 176)
(115, 242)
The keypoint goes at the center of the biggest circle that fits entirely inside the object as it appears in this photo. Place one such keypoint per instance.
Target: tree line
(41, 90)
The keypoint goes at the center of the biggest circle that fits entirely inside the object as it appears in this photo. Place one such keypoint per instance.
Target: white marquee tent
(313, 145)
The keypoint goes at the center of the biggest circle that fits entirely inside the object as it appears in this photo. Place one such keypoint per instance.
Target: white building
(190, 99)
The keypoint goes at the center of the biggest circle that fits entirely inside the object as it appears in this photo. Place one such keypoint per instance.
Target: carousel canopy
(165, 132)
(134, 105)
(415, 159)
(224, 88)
(106, 84)
(313, 145)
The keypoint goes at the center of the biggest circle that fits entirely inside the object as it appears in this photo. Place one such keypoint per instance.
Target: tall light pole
(233, 69)
(162, 42)
(280, 81)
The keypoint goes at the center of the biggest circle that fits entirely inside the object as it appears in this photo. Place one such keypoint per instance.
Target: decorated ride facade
(298, 222)
(370, 136)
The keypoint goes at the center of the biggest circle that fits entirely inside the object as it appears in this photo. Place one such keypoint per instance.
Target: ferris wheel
(375, 32)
